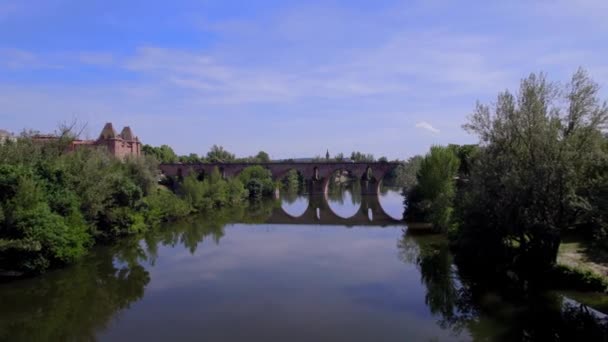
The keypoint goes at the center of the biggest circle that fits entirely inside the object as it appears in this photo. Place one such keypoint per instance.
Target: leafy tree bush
(163, 154)
(431, 198)
(217, 154)
(258, 181)
(293, 181)
(165, 205)
(262, 157)
(212, 192)
(405, 174)
(361, 157)
(55, 204)
(539, 171)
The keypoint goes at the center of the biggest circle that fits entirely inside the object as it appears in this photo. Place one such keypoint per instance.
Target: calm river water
(301, 269)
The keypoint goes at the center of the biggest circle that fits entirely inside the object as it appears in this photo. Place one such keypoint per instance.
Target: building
(120, 145)
(6, 136)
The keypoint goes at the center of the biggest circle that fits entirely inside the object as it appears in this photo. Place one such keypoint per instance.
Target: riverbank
(578, 256)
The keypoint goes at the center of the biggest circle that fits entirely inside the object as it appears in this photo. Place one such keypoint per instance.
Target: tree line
(217, 154)
(55, 205)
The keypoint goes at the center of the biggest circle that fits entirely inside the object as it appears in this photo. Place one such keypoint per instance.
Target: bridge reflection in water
(318, 211)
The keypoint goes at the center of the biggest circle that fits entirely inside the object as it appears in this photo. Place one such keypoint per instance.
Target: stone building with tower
(122, 145)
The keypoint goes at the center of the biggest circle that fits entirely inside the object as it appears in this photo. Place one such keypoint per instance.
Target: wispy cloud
(427, 126)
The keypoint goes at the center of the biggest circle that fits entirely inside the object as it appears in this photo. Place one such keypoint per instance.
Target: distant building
(119, 145)
(6, 136)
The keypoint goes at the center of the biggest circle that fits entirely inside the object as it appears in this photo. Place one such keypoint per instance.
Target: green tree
(217, 154)
(431, 199)
(262, 157)
(535, 174)
(406, 174)
(163, 154)
(192, 158)
(361, 157)
(258, 181)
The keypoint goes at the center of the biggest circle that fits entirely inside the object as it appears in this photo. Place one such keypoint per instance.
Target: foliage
(540, 169)
(262, 157)
(55, 205)
(163, 154)
(217, 154)
(211, 192)
(431, 198)
(165, 205)
(293, 181)
(258, 181)
(361, 157)
(465, 154)
(572, 278)
(192, 158)
(405, 174)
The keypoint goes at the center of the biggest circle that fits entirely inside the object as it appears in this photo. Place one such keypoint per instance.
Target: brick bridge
(316, 174)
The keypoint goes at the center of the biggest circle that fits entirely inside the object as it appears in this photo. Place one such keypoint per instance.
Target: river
(335, 268)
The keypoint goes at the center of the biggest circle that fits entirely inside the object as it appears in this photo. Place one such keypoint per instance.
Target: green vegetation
(539, 172)
(541, 169)
(258, 181)
(217, 154)
(163, 154)
(406, 174)
(361, 157)
(56, 205)
(292, 182)
(211, 192)
(431, 199)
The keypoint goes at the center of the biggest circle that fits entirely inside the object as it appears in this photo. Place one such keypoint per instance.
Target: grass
(578, 254)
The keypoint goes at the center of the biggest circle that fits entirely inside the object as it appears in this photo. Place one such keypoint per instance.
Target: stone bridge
(316, 174)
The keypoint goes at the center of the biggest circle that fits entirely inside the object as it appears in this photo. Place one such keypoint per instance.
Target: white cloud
(427, 126)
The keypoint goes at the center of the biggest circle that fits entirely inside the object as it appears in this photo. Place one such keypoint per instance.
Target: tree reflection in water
(337, 192)
(485, 310)
(74, 303)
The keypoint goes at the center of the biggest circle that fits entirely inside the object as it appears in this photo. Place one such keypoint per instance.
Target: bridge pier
(319, 187)
(370, 187)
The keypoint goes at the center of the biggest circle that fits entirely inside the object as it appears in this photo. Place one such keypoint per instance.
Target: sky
(292, 78)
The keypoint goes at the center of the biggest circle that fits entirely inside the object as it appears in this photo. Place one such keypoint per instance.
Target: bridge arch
(343, 198)
(294, 204)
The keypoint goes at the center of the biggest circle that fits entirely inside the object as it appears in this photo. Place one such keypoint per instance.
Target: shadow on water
(489, 312)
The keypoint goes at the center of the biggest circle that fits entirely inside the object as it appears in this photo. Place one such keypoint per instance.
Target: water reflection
(293, 203)
(464, 305)
(339, 207)
(231, 275)
(344, 199)
(76, 303)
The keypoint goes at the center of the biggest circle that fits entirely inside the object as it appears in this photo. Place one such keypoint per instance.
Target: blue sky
(293, 78)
